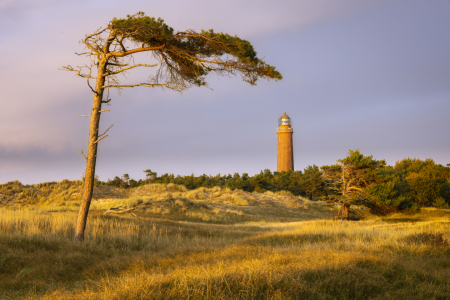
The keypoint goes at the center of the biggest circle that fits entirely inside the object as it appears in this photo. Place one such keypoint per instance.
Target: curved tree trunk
(91, 155)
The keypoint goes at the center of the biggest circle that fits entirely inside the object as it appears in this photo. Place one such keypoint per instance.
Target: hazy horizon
(370, 75)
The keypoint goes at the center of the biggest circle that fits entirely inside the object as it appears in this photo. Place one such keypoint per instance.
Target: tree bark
(345, 211)
(91, 155)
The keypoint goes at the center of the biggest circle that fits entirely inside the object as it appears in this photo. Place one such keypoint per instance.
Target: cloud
(348, 65)
(241, 17)
(257, 17)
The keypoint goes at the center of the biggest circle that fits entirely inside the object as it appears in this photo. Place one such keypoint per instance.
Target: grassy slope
(212, 243)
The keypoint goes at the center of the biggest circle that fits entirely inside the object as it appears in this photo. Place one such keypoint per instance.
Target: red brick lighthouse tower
(285, 149)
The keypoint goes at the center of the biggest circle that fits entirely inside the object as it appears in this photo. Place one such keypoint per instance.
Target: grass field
(215, 244)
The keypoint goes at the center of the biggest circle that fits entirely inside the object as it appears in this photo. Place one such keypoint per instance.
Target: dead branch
(115, 210)
(78, 71)
(95, 92)
(100, 111)
(144, 84)
(106, 131)
(120, 42)
(83, 115)
(117, 65)
(121, 211)
(86, 53)
(120, 54)
(100, 139)
(97, 32)
(124, 69)
(83, 154)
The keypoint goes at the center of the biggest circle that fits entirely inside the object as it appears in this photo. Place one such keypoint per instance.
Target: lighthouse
(285, 148)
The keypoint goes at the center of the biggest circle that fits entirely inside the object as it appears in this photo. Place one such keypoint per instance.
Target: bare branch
(120, 54)
(97, 32)
(121, 43)
(100, 139)
(71, 69)
(86, 53)
(106, 131)
(103, 110)
(83, 115)
(118, 65)
(124, 69)
(83, 154)
(144, 84)
(93, 38)
(113, 208)
(95, 92)
(116, 211)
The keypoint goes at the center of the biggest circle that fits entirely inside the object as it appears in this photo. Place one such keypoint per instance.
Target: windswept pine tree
(183, 60)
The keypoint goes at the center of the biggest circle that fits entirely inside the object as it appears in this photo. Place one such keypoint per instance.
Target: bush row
(409, 184)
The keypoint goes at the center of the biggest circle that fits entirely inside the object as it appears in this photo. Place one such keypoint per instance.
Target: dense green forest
(409, 184)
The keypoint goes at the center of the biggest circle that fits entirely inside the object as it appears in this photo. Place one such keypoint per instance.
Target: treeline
(265, 181)
(409, 184)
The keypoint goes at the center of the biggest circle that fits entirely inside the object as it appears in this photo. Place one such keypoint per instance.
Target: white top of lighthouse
(284, 120)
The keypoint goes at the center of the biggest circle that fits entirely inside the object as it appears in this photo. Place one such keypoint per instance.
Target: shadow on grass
(289, 277)
(402, 220)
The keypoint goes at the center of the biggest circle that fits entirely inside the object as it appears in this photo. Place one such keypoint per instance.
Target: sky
(372, 75)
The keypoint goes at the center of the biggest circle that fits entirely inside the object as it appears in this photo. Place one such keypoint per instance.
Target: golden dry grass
(216, 205)
(271, 248)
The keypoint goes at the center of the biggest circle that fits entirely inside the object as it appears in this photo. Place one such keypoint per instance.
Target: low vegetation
(215, 205)
(407, 186)
(214, 243)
